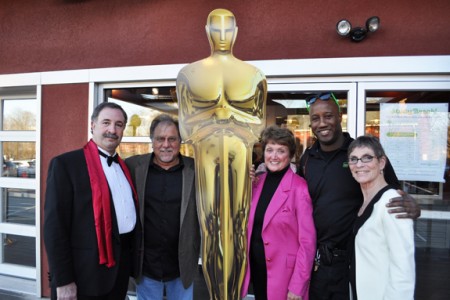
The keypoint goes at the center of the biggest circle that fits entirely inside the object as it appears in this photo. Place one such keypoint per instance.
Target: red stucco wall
(51, 35)
(64, 128)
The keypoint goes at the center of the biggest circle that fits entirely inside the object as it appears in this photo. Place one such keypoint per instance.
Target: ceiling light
(291, 103)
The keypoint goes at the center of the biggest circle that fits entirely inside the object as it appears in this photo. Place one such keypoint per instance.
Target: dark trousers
(330, 282)
(120, 288)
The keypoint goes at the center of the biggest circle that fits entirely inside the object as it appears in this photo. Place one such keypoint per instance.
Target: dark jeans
(330, 282)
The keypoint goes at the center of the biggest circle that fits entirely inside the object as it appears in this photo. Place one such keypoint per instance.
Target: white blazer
(384, 255)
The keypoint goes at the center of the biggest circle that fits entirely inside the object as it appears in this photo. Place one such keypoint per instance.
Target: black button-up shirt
(162, 221)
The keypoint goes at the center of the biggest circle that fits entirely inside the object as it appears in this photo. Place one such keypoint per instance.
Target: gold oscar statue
(222, 103)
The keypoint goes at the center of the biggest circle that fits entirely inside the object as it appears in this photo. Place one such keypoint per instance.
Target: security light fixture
(357, 34)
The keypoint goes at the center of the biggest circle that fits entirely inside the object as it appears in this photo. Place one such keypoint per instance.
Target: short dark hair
(103, 105)
(368, 141)
(163, 119)
(279, 135)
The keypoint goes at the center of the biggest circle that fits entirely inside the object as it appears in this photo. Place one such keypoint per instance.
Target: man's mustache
(111, 136)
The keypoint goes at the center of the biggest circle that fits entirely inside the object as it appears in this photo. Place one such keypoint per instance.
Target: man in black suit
(91, 229)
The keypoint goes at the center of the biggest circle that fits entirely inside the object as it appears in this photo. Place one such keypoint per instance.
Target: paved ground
(20, 289)
(6, 295)
(432, 274)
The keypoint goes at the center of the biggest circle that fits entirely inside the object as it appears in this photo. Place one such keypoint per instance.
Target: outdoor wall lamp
(357, 34)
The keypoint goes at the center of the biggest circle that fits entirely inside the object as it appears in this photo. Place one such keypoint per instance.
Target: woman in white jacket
(383, 260)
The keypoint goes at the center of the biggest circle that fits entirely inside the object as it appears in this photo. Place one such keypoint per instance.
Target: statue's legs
(223, 197)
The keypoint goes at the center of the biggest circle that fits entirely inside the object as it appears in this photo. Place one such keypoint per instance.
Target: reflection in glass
(140, 116)
(142, 104)
(435, 196)
(297, 117)
(432, 229)
(126, 150)
(19, 250)
(19, 159)
(19, 115)
(18, 206)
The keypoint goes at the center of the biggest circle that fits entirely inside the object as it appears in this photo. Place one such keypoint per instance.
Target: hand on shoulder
(404, 206)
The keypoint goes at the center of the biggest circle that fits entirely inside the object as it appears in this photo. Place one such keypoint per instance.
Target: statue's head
(221, 30)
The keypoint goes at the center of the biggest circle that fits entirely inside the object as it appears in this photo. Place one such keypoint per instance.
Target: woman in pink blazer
(281, 235)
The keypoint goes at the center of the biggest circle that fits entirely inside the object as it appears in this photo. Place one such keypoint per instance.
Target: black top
(257, 254)
(162, 221)
(335, 194)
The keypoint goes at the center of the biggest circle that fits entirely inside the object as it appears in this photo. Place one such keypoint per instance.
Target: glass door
(18, 197)
(286, 106)
(365, 107)
(412, 121)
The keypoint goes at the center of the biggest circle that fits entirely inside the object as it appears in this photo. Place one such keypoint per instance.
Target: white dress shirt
(122, 195)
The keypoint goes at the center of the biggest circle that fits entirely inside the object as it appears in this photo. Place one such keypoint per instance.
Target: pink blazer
(289, 238)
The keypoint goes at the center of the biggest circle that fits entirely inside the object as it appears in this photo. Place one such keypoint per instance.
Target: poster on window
(414, 137)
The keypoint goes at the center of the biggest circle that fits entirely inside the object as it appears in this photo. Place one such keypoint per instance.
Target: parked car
(27, 169)
(9, 169)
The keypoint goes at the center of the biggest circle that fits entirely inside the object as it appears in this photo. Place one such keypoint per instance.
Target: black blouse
(257, 256)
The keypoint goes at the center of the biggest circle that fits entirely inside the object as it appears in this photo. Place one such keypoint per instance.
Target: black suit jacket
(69, 230)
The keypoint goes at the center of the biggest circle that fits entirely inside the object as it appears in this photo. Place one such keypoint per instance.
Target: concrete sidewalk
(8, 295)
(13, 288)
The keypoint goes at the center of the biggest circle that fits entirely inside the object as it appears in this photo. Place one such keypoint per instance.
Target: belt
(327, 256)
(339, 252)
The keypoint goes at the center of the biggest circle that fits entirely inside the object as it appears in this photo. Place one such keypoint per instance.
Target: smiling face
(107, 129)
(166, 145)
(369, 172)
(325, 122)
(276, 156)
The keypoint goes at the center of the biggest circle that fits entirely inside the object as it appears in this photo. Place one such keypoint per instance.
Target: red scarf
(101, 201)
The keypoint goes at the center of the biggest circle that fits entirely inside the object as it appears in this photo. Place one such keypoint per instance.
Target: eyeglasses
(324, 96)
(365, 159)
(170, 139)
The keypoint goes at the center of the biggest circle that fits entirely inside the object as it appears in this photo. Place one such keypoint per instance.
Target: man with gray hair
(164, 181)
